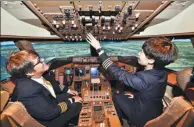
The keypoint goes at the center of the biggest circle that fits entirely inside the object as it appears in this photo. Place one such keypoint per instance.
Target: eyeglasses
(40, 60)
(192, 76)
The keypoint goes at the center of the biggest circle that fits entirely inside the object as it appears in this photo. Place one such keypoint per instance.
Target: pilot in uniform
(40, 93)
(146, 103)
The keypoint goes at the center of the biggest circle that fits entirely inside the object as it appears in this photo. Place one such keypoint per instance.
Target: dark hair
(19, 64)
(162, 50)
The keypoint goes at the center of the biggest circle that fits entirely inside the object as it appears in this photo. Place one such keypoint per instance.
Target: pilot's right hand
(92, 40)
(77, 99)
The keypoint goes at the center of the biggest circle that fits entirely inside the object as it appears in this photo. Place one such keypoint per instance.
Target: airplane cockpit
(57, 31)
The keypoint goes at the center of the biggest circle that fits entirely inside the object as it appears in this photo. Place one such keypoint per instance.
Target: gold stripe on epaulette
(63, 107)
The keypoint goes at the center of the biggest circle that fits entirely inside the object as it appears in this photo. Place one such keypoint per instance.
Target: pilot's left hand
(73, 92)
(92, 40)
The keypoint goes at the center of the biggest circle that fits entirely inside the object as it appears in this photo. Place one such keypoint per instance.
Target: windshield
(64, 50)
(49, 51)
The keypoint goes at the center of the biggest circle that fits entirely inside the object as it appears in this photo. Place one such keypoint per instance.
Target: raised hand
(92, 40)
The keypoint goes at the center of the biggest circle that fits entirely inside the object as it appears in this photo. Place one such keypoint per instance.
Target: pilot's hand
(77, 99)
(92, 40)
(73, 92)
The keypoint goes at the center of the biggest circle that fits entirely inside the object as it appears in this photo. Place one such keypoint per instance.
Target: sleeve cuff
(106, 62)
(101, 52)
(63, 106)
(71, 100)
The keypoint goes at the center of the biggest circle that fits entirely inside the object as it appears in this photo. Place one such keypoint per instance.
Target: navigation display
(67, 71)
(94, 71)
(97, 108)
(79, 71)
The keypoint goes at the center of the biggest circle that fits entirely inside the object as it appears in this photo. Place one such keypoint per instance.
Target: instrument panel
(91, 59)
(86, 76)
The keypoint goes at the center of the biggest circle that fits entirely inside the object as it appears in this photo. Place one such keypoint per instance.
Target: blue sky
(7, 43)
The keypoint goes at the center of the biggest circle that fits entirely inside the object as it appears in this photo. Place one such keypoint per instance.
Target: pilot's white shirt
(48, 87)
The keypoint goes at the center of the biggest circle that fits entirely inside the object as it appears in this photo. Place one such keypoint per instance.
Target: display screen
(79, 71)
(97, 108)
(67, 71)
(94, 72)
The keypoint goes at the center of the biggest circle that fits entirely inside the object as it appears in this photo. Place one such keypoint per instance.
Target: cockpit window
(186, 55)
(7, 48)
(49, 51)
(122, 48)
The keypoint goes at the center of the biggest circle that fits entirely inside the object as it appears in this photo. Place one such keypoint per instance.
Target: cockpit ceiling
(107, 20)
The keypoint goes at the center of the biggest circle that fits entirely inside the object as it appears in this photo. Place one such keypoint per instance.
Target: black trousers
(130, 110)
(117, 98)
(65, 118)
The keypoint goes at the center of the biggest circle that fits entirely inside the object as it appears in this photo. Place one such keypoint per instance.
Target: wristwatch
(99, 50)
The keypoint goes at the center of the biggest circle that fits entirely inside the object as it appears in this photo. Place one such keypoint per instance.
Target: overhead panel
(61, 15)
(148, 18)
(106, 20)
